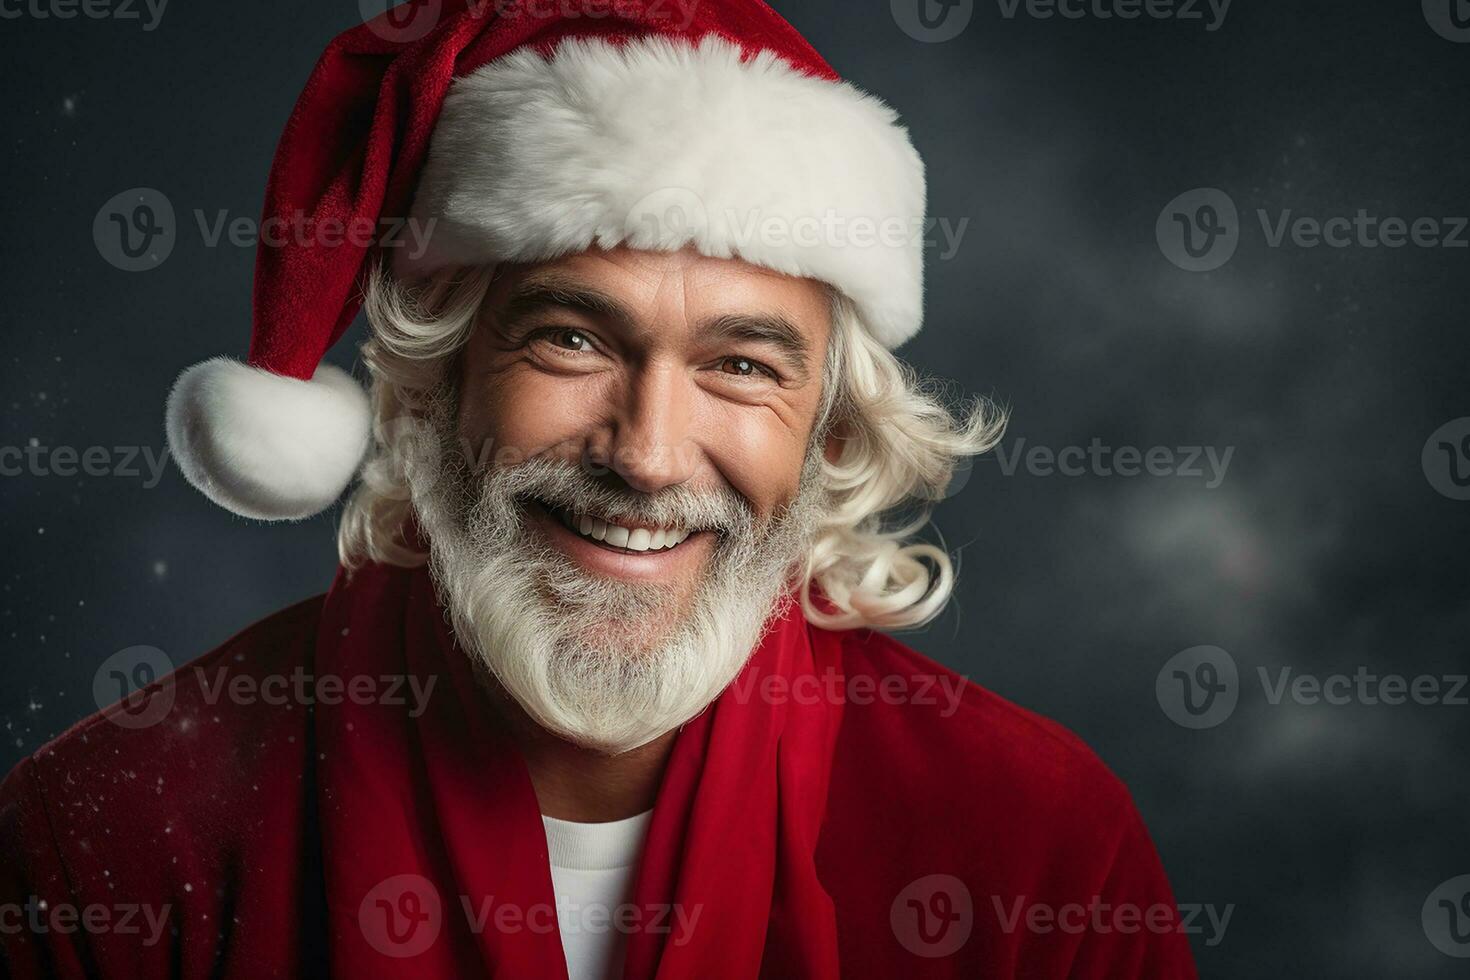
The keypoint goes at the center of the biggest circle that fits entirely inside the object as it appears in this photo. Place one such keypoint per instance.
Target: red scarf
(435, 855)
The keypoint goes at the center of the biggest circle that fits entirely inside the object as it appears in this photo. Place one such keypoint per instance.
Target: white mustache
(562, 484)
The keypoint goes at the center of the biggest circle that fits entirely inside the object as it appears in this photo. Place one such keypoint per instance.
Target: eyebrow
(537, 294)
(764, 328)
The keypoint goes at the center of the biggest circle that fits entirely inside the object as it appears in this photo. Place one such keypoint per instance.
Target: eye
(744, 367)
(568, 338)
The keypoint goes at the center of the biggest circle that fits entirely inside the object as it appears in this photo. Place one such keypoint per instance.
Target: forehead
(677, 289)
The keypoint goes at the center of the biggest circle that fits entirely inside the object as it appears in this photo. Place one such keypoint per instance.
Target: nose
(648, 440)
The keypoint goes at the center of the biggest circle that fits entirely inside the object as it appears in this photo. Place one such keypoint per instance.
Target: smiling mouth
(622, 538)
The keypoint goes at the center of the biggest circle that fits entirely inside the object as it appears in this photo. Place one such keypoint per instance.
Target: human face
(660, 369)
(664, 393)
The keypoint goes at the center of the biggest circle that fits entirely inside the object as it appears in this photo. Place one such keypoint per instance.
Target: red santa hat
(522, 130)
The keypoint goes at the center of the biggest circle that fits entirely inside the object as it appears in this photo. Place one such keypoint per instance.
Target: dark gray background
(1324, 549)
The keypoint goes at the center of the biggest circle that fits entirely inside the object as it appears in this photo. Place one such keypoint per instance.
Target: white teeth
(633, 539)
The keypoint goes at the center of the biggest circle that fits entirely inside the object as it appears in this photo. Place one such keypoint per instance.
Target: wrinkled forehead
(668, 294)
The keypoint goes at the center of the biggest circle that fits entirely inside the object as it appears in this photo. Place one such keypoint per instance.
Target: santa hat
(522, 130)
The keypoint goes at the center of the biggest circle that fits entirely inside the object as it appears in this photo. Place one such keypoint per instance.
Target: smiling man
(639, 480)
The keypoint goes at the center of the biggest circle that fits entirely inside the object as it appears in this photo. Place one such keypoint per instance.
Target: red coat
(958, 836)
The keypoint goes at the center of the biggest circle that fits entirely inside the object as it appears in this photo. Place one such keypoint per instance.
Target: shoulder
(943, 786)
(923, 722)
(895, 691)
(180, 738)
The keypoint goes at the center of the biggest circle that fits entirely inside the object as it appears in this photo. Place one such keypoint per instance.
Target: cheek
(519, 413)
(758, 454)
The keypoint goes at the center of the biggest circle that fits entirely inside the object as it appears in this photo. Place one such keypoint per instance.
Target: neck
(573, 783)
(584, 785)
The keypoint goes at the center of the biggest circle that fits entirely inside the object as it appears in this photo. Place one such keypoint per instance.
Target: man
(597, 691)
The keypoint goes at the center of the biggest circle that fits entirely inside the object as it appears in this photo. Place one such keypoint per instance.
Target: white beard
(603, 663)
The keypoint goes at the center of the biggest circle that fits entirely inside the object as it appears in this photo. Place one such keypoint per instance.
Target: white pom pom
(266, 446)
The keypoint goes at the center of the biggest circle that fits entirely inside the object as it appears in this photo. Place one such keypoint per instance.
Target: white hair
(900, 444)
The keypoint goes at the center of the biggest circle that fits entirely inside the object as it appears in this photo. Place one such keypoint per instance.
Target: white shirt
(592, 867)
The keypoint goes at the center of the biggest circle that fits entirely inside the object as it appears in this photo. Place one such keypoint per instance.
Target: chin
(635, 641)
